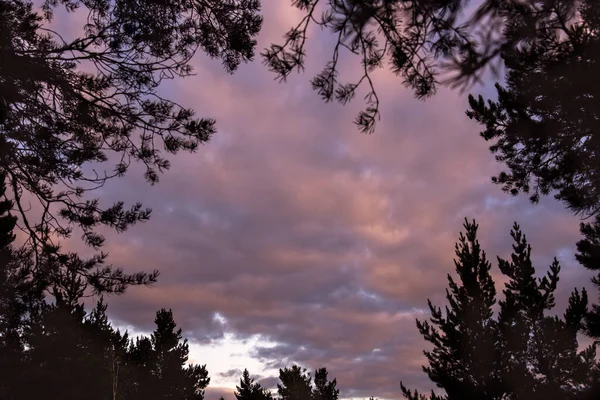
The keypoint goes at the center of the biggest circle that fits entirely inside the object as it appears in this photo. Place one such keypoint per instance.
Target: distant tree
(323, 388)
(74, 354)
(69, 106)
(249, 390)
(522, 353)
(142, 358)
(71, 353)
(162, 358)
(295, 383)
(424, 41)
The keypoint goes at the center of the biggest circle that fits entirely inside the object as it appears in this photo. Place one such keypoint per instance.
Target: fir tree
(295, 383)
(163, 361)
(64, 359)
(523, 353)
(249, 390)
(588, 255)
(540, 357)
(464, 359)
(323, 388)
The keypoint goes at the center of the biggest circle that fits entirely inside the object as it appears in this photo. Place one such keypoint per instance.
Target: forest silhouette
(57, 118)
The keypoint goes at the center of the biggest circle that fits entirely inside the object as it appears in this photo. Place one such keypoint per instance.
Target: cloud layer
(293, 226)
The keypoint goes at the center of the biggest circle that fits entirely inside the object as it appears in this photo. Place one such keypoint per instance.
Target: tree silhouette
(162, 361)
(249, 390)
(68, 106)
(70, 353)
(18, 296)
(544, 122)
(543, 126)
(295, 383)
(522, 353)
(323, 388)
(589, 256)
(14, 271)
(424, 41)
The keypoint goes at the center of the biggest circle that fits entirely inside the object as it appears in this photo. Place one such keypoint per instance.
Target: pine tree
(73, 355)
(19, 295)
(464, 359)
(112, 370)
(249, 390)
(543, 125)
(140, 356)
(588, 255)
(163, 361)
(64, 358)
(295, 383)
(323, 388)
(426, 43)
(523, 354)
(68, 103)
(540, 353)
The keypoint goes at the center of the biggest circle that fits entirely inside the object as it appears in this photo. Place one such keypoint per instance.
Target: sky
(293, 238)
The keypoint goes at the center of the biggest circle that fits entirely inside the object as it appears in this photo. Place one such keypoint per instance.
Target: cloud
(325, 242)
(232, 373)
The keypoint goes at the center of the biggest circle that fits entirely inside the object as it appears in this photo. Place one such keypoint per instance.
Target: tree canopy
(521, 353)
(296, 383)
(70, 106)
(544, 124)
(425, 42)
(250, 390)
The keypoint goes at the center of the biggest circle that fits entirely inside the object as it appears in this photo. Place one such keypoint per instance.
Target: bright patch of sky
(222, 355)
(228, 353)
(370, 295)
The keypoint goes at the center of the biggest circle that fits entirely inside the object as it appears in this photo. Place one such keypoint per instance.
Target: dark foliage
(171, 378)
(588, 255)
(544, 124)
(68, 353)
(18, 296)
(522, 353)
(74, 355)
(323, 388)
(420, 40)
(295, 383)
(249, 390)
(50, 346)
(69, 106)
